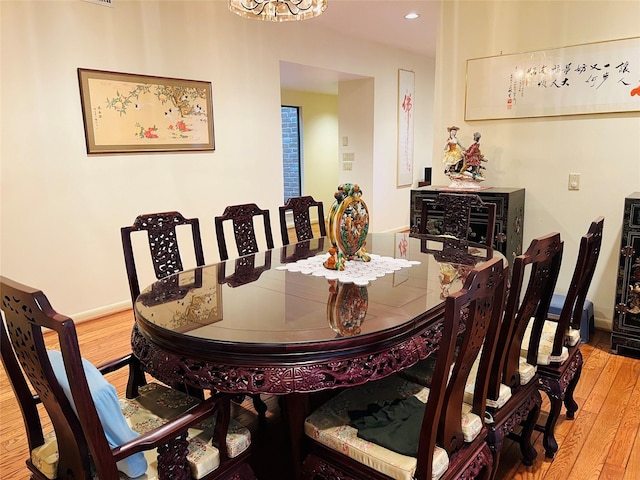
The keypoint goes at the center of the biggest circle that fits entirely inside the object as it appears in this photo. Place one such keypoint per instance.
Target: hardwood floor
(603, 442)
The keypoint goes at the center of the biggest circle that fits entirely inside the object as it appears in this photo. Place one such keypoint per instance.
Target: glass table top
(258, 299)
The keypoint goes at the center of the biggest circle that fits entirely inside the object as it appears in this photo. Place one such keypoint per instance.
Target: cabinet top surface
(434, 188)
(631, 196)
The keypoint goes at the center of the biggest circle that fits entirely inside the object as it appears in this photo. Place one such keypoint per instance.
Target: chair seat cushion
(330, 426)
(546, 344)
(572, 337)
(45, 457)
(526, 371)
(156, 405)
(168, 403)
(422, 373)
(504, 393)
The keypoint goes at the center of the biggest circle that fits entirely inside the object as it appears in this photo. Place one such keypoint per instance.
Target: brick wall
(290, 152)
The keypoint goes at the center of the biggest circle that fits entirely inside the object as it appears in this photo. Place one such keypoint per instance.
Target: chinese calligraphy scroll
(592, 78)
(405, 127)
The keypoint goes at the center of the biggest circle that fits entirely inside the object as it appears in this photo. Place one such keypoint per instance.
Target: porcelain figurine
(463, 166)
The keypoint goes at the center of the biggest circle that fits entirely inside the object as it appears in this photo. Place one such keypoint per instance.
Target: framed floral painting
(128, 113)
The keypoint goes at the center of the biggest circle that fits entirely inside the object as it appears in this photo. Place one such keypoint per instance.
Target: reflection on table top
(250, 302)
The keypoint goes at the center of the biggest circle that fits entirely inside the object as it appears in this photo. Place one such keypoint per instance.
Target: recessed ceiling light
(411, 15)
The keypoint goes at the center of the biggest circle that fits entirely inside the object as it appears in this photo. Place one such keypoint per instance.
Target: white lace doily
(355, 271)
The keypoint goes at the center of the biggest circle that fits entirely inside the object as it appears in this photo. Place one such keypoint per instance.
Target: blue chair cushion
(104, 395)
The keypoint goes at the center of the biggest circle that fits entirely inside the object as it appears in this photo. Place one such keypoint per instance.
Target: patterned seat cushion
(572, 337)
(422, 373)
(546, 344)
(526, 370)
(156, 405)
(503, 395)
(329, 425)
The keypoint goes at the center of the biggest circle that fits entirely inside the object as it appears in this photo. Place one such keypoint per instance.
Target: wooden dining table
(277, 322)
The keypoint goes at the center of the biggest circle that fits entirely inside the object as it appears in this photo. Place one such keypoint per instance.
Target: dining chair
(165, 254)
(558, 357)
(513, 397)
(301, 208)
(162, 433)
(449, 216)
(395, 428)
(517, 401)
(242, 218)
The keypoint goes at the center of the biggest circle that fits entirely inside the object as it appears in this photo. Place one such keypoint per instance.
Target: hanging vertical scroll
(406, 85)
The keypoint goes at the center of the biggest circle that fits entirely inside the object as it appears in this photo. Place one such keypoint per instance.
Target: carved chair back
(163, 245)
(559, 378)
(242, 217)
(301, 208)
(27, 400)
(588, 254)
(479, 306)
(27, 312)
(541, 262)
(165, 257)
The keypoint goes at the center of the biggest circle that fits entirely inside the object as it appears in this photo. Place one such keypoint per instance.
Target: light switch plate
(574, 181)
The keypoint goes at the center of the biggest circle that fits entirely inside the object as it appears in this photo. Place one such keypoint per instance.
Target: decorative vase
(348, 226)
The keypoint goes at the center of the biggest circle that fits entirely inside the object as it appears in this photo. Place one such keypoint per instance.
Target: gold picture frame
(129, 113)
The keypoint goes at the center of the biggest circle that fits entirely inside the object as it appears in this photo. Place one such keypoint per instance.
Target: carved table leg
(296, 409)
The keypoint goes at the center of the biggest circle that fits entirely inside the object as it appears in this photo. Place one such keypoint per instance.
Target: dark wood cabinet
(625, 338)
(509, 215)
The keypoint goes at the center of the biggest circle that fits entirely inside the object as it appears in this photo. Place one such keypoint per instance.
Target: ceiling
(383, 21)
(379, 21)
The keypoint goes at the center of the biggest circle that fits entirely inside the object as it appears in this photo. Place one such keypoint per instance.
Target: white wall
(539, 153)
(356, 113)
(61, 210)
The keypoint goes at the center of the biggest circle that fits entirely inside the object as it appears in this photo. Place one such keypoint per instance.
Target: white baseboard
(102, 311)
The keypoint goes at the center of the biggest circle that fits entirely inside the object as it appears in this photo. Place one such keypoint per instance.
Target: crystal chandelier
(278, 10)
